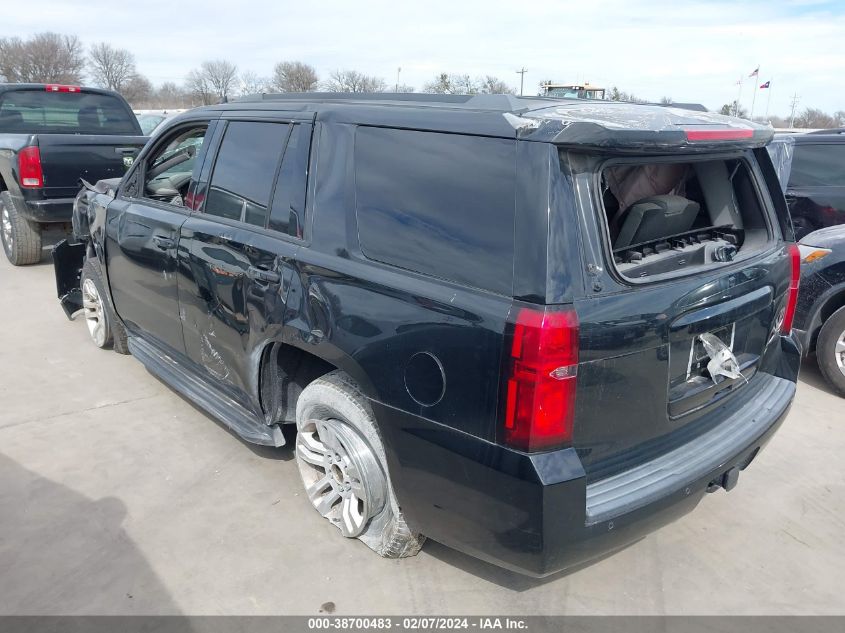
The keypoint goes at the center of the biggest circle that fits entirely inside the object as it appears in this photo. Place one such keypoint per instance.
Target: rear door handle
(162, 242)
(262, 274)
(126, 150)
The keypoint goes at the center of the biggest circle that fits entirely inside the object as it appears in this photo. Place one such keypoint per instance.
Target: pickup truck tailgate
(66, 158)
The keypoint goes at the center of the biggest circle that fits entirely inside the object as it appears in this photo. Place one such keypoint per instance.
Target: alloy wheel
(839, 352)
(92, 305)
(342, 477)
(6, 222)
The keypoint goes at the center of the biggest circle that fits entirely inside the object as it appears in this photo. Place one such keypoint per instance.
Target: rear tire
(21, 238)
(103, 325)
(343, 466)
(830, 350)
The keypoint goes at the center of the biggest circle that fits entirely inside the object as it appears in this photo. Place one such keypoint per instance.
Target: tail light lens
(541, 379)
(29, 168)
(61, 88)
(792, 293)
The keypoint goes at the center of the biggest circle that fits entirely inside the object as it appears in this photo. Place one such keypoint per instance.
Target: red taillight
(29, 168)
(718, 135)
(541, 383)
(61, 88)
(792, 293)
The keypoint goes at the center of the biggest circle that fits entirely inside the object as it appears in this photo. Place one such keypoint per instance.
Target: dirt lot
(119, 497)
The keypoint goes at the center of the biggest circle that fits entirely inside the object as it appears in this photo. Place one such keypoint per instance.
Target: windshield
(37, 111)
(149, 122)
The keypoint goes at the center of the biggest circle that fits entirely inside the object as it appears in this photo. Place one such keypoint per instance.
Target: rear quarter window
(818, 166)
(438, 204)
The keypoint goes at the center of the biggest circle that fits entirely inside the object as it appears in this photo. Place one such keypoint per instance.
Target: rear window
(437, 204)
(818, 166)
(65, 113)
(668, 217)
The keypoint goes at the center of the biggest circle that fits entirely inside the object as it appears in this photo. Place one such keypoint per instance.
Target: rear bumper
(536, 514)
(51, 210)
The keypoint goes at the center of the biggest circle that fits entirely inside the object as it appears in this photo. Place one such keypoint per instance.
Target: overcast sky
(687, 50)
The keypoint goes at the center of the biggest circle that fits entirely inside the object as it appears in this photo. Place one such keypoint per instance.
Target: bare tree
(404, 88)
(44, 58)
(666, 101)
(458, 84)
(447, 84)
(213, 81)
(252, 84)
(294, 77)
(494, 86)
(353, 81)
(815, 118)
(137, 89)
(111, 67)
(199, 88)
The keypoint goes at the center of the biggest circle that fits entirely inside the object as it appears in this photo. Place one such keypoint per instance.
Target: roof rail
(833, 130)
(499, 103)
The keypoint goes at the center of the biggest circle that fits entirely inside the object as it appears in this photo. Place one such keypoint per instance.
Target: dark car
(815, 185)
(51, 136)
(820, 313)
(532, 329)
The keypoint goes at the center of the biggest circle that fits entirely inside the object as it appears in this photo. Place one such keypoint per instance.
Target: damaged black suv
(531, 329)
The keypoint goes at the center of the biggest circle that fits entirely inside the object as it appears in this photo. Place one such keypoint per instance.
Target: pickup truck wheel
(21, 239)
(103, 327)
(342, 464)
(830, 350)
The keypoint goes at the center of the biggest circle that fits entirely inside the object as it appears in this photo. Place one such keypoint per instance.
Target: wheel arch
(284, 368)
(826, 305)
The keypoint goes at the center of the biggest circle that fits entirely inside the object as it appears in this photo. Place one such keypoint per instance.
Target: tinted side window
(288, 209)
(438, 204)
(818, 166)
(245, 170)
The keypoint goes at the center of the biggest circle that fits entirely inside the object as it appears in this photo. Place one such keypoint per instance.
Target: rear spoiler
(628, 128)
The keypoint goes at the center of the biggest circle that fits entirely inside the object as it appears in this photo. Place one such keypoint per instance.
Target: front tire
(103, 326)
(342, 464)
(21, 238)
(830, 350)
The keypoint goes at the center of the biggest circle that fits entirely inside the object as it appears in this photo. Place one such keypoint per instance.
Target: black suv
(815, 175)
(531, 329)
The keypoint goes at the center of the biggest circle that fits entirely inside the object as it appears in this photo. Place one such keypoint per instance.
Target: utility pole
(398, 70)
(521, 74)
(792, 114)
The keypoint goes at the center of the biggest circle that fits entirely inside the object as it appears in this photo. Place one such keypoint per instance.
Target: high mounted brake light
(718, 135)
(541, 379)
(792, 293)
(29, 168)
(61, 88)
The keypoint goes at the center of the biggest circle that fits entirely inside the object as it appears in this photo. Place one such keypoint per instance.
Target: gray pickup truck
(51, 137)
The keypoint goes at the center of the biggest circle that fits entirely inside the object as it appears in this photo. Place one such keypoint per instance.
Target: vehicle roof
(30, 86)
(552, 119)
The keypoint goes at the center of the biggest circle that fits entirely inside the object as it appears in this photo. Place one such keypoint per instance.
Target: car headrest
(655, 217)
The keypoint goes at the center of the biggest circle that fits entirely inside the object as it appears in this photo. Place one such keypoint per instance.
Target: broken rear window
(664, 217)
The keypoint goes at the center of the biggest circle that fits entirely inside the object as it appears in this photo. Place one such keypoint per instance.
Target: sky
(691, 51)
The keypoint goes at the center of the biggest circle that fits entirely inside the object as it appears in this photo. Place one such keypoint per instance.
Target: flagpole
(754, 94)
(768, 99)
